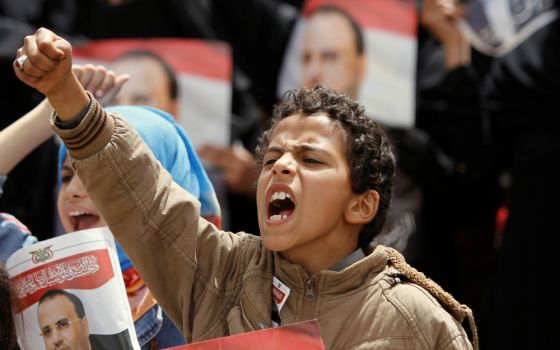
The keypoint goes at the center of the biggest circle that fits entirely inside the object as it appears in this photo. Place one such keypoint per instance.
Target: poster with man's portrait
(69, 294)
(188, 78)
(362, 48)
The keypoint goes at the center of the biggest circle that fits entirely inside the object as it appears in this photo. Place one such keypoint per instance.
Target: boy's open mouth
(82, 220)
(280, 206)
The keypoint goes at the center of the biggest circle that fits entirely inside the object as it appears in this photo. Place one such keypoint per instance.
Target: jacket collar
(333, 282)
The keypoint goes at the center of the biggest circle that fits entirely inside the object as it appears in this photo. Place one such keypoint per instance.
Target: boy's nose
(284, 165)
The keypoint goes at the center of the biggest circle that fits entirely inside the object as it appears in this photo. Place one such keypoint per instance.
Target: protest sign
(69, 291)
(389, 29)
(302, 335)
(203, 73)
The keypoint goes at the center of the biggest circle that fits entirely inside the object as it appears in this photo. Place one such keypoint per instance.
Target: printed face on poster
(188, 78)
(70, 294)
(362, 48)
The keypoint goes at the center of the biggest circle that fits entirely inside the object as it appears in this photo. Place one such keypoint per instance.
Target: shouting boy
(323, 194)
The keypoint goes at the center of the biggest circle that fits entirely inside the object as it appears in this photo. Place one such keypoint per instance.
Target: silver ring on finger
(20, 61)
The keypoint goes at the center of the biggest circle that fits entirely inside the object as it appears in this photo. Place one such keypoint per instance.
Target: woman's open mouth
(82, 220)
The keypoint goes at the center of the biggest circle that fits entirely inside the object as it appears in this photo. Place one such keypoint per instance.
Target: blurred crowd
(474, 199)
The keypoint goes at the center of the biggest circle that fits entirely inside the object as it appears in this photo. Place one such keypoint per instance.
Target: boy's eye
(66, 178)
(269, 161)
(311, 160)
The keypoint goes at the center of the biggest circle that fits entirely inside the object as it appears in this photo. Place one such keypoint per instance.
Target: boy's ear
(363, 207)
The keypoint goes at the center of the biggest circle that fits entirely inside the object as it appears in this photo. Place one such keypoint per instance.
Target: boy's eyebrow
(67, 167)
(274, 149)
(298, 148)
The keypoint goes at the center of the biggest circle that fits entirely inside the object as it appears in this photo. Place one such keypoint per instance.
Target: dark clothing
(419, 193)
(496, 114)
(119, 341)
(449, 109)
(463, 215)
(100, 20)
(523, 90)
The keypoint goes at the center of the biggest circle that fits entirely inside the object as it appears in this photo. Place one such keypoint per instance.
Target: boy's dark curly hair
(368, 150)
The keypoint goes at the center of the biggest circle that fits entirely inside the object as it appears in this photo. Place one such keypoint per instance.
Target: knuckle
(89, 69)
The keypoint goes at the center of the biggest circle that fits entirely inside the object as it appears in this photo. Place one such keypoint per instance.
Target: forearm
(457, 53)
(23, 136)
(442, 19)
(68, 99)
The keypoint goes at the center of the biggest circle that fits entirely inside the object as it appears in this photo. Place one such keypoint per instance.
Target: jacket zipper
(309, 284)
(309, 300)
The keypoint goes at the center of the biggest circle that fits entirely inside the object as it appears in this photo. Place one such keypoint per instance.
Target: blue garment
(13, 236)
(156, 326)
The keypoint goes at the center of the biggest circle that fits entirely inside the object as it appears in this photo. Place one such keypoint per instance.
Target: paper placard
(69, 290)
(302, 335)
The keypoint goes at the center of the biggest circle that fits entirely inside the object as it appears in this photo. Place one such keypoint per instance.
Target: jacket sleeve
(187, 263)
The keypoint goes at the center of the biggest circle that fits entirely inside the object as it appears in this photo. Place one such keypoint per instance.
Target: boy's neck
(355, 256)
(314, 263)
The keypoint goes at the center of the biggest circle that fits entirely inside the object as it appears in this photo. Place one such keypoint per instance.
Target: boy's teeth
(280, 195)
(278, 217)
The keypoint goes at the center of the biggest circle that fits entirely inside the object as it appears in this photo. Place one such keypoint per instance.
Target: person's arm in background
(441, 18)
(237, 164)
(446, 79)
(448, 107)
(23, 136)
(27, 133)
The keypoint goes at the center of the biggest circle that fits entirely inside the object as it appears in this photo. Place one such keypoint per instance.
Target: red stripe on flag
(210, 60)
(88, 270)
(398, 16)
